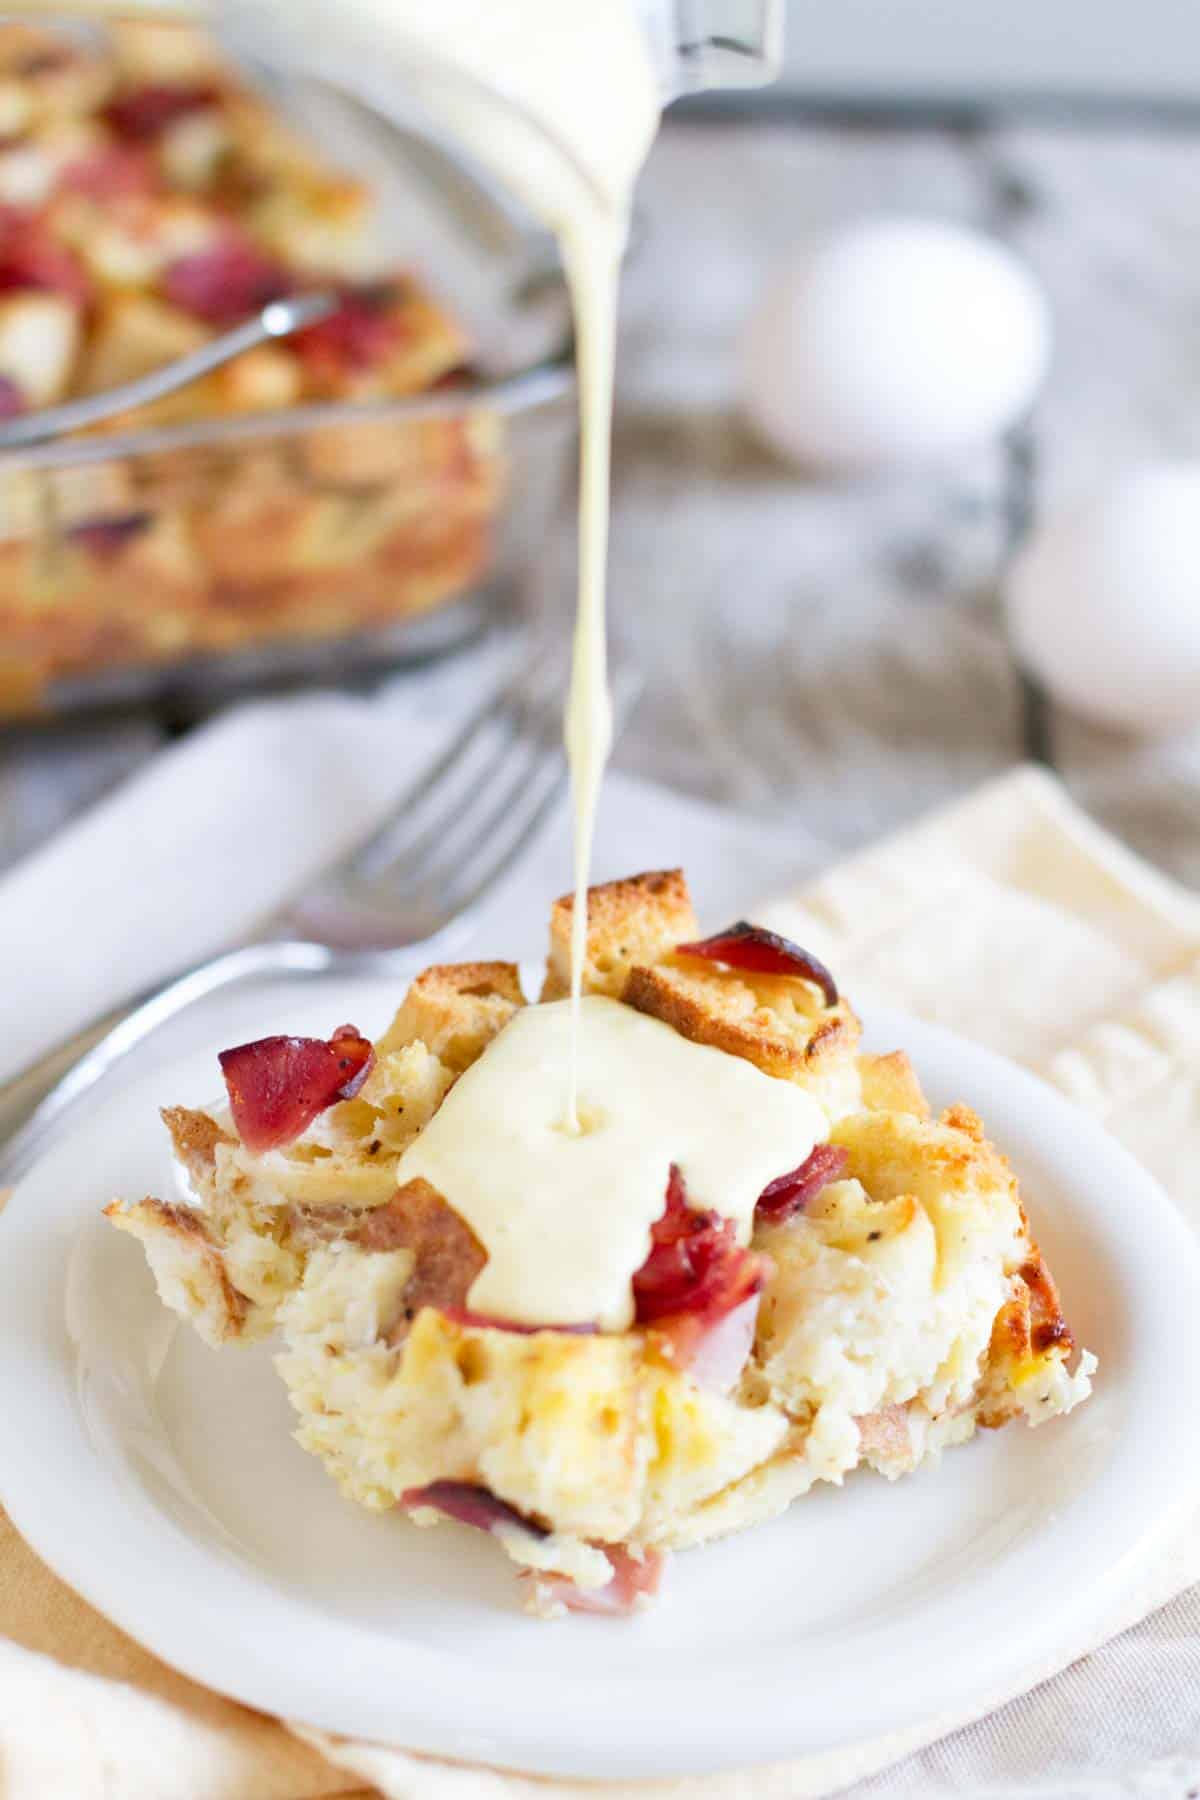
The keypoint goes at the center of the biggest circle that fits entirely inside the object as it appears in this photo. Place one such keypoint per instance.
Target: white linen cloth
(1008, 916)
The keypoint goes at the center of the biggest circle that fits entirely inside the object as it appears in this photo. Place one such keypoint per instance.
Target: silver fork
(449, 838)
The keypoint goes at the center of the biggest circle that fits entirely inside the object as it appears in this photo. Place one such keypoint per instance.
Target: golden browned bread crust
(777, 1022)
(194, 1137)
(447, 1256)
(188, 1264)
(890, 1084)
(1028, 1328)
(780, 1023)
(456, 1009)
(630, 922)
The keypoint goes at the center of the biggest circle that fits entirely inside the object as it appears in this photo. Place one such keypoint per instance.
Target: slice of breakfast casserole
(598, 1383)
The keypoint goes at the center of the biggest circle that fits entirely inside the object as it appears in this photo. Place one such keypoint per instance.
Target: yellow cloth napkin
(1009, 917)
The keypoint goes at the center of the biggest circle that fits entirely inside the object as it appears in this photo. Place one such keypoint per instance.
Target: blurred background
(905, 338)
(933, 47)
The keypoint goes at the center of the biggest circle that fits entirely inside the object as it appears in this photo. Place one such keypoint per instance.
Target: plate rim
(36, 1498)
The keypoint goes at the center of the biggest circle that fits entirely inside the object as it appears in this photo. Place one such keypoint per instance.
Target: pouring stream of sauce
(560, 102)
(563, 1179)
(563, 1188)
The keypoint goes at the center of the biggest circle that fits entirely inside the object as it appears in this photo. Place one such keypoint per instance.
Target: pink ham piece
(113, 172)
(694, 1264)
(460, 1315)
(145, 112)
(471, 1505)
(695, 1275)
(278, 1085)
(227, 282)
(721, 1353)
(762, 952)
(787, 1194)
(107, 537)
(30, 258)
(633, 1577)
(358, 336)
(886, 1433)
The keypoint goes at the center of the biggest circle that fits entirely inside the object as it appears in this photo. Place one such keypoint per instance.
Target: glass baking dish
(283, 545)
(221, 544)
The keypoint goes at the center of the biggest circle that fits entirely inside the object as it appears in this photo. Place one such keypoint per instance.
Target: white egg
(894, 342)
(1104, 602)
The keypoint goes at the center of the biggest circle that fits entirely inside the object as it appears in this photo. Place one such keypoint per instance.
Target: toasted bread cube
(1030, 1345)
(193, 149)
(890, 1084)
(343, 530)
(557, 1424)
(343, 1179)
(639, 920)
(561, 1423)
(17, 109)
(317, 223)
(133, 244)
(402, 1093)
(265, 377)
(44, 77)
(253, 531)
(260, 380)
(106, 567)
(778, 1022)
(134, 334)
(455, 1010)
(81, 493)
(194, 1139)
(188, 1267)
(31, 166)
(150, 52)
(886, 1286)
(703, 1443)
(431, 459)
(22, 513)
(39, 339)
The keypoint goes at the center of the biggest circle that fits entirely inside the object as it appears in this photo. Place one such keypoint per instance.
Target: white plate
(159, 1479)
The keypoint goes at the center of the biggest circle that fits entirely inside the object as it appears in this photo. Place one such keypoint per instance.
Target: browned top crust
(638, 920)
(456, 1009)
(1048, 1329)
(774, 1021)
(890, 1084)
(181, 1219)
(169, 1232)
(779, 1022)
(195, 1137)
(448, 1256)
(1026, 1327)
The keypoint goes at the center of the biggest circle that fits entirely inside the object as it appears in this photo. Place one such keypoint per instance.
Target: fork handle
(23, 1093)
(71, 1069)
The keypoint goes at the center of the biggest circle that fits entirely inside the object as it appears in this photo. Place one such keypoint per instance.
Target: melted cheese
(565, 1218)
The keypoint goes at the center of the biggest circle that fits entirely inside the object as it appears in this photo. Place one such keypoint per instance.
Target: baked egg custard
(758, 1262)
